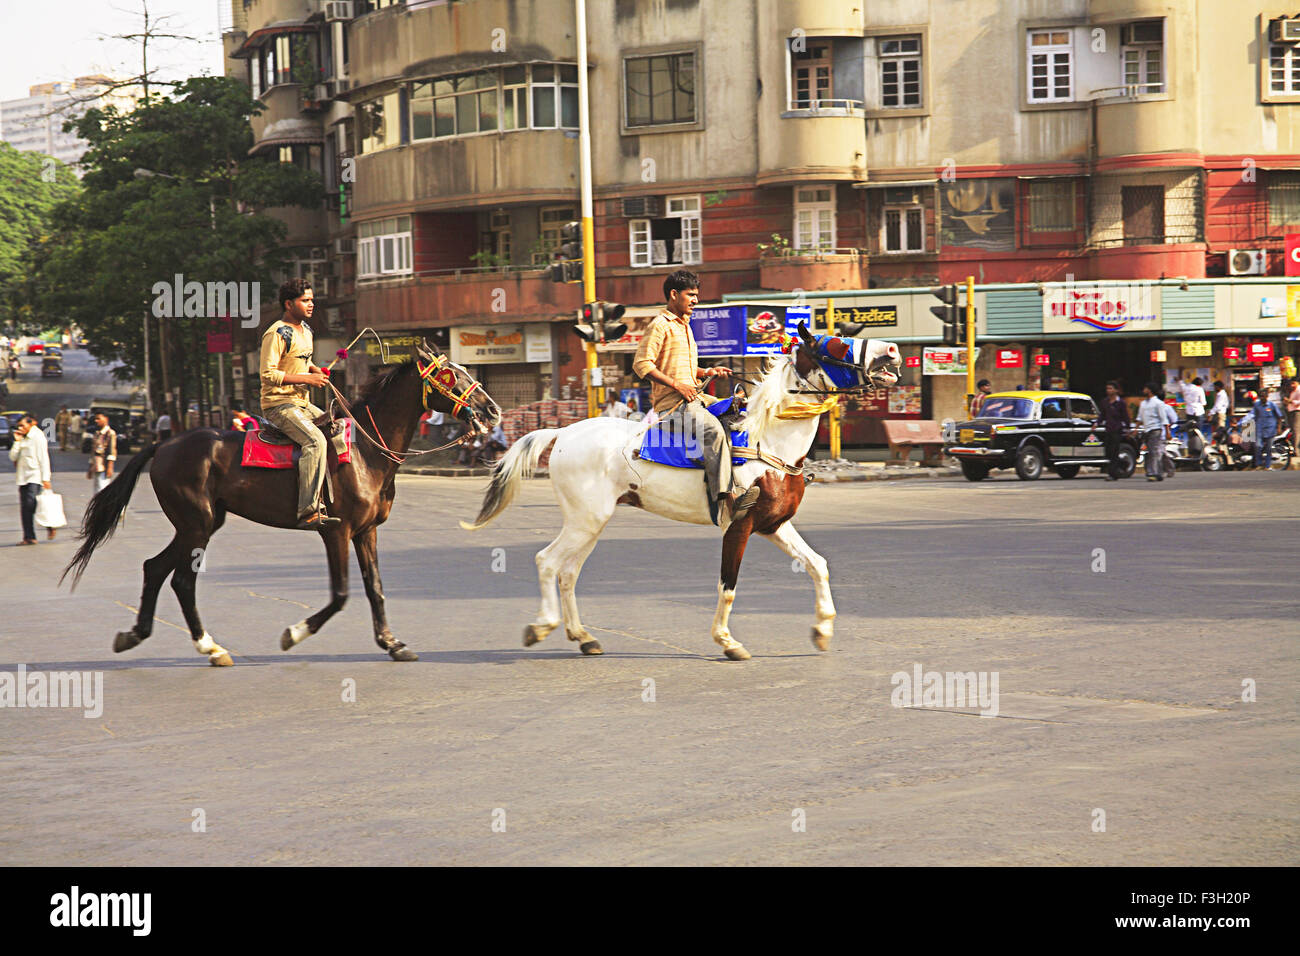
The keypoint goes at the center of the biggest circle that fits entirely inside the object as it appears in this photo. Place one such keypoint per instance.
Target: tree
(30, 186)
(199, 216)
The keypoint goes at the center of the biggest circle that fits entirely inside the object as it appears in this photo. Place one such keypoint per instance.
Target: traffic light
(569, 269)
(950, 314)
(599, 322)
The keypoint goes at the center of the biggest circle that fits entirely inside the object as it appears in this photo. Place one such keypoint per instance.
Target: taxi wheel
(1029, 463)
(1067, 471)
(974, 470)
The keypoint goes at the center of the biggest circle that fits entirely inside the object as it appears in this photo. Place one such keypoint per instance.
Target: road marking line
(285, 600)
(186, 630)
(611, 630)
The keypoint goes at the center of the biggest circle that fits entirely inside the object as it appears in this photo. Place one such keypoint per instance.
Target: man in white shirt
(1153, 424)
(30, 454)
(1194, 399)
(1219, 411)
(164, 427)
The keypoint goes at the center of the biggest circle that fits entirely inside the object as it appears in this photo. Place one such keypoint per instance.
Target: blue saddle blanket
(666, 447)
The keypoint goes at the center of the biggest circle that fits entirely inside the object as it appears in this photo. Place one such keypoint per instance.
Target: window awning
(254, 40)
(288, 137)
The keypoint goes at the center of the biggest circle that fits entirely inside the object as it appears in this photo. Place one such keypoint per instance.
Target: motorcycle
(1236, 451)
(1188, 446)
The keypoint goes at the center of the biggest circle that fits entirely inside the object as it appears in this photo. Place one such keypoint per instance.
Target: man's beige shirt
(669, 346)
(286, 349)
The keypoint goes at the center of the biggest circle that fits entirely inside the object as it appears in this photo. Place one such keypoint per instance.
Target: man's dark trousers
(27, 504)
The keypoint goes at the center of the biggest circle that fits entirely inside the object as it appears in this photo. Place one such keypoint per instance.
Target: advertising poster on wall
(905, 400)
(979, 213)
(768, 327)
(945, 361)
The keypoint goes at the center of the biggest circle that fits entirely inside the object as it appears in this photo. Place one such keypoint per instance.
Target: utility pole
(588, 230)
(833, 422)
(970, 340)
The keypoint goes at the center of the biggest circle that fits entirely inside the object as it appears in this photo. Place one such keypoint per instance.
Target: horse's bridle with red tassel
(439, 376)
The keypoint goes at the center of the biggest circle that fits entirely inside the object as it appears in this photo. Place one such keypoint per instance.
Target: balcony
(282, 122)
(466, 296)
(485, 169)
(813, 271)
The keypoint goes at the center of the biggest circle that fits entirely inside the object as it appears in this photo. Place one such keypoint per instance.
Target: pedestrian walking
(103, 453)
(1194, 401)
(1219, 411)
(982, 390)
(1266, 416)
(1153, 424)
(1291, 403)
(76, 425)
(31, 456)
(1114, 418)
(61, 421)
(163, 427)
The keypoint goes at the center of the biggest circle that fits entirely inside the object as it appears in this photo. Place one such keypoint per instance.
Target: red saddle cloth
(263, 454)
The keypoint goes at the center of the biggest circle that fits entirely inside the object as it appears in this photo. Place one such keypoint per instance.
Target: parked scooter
(1186, 446)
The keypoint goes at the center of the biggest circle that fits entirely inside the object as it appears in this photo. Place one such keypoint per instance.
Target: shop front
(514, 362)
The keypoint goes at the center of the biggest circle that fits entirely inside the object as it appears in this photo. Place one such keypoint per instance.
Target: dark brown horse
(198, 478)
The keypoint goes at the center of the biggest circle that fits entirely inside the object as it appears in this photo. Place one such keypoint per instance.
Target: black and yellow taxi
(1034, 431)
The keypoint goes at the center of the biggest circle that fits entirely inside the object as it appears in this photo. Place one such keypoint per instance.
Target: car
(6, 434)
(35, 348)
(51, 365)
(1032, 432)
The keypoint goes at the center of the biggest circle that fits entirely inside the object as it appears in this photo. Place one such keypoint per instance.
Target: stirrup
(745, 501)
(316, 521)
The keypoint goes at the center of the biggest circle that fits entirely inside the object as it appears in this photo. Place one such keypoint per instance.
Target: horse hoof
(820, 641)
(534, 635)
(126, 640)
(286, 640)
(400, 652)
(736, 654)
(221, 660)
(591, 648)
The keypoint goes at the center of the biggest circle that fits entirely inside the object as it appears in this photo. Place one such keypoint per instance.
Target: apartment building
(34, 123)
(779, 145)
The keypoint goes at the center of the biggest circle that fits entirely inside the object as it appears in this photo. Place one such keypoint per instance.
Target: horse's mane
(768, 398)
(373, 389)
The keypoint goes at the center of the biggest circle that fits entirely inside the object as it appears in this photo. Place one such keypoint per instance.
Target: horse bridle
(439, 375)
(821, 361)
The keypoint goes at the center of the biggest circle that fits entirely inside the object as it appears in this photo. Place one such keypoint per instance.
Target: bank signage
(719, 329)
(1112, 307)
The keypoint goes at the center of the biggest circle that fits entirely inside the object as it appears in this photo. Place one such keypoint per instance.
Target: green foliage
(779, 246)
(199, 217)
(27, 199)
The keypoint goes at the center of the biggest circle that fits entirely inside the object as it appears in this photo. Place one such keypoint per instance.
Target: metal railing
(813, 106)
(1127, 91)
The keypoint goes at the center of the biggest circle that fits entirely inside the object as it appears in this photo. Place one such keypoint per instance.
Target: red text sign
(1293, 254)
(1260, 351)
(1042, 360)
(1010, 358)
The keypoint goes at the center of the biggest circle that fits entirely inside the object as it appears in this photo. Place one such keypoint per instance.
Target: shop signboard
(1292, 240)
(1043, 359)
(945, 361)
(1293, 307)
(1113, 307)
(537, 342)
(1010, 358)
(1259, 352)
(912, 361)
(395, 348)
(487, 344)
(871, 316)
(1197, 347)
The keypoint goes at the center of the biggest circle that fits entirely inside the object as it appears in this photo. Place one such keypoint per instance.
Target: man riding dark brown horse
(198, 477)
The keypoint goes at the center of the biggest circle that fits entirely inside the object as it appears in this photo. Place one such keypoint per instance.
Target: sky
(48, 40)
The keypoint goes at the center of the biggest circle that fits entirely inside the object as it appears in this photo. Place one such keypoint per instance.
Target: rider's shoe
(315, 521)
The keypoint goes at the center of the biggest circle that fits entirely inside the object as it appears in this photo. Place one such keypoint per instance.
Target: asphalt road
(83, 379)
(1119, 691)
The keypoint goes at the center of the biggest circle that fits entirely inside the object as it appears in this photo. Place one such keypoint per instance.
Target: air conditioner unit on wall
(1247, 262)
(345, 246)
(340, 10)
(1285, 31)
(1143, 31)
(643, 207)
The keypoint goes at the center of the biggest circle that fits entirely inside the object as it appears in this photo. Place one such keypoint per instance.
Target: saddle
(664, 446)
(268, 447)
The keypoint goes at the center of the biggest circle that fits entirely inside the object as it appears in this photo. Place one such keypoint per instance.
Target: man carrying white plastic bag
(31, 457)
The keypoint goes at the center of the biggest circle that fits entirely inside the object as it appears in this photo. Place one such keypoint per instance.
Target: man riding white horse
(667, 356)
(599, 463)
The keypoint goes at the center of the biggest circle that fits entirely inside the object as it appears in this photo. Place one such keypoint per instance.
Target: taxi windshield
(1007, 408)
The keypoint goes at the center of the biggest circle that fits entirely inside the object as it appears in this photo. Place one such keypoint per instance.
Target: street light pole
(584, 166)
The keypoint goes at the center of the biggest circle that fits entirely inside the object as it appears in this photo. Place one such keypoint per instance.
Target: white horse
(593, 469)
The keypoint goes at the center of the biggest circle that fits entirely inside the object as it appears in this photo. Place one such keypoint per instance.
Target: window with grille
(903, 229)
(1050, 66)
(900, 71)
(672, 240)
(1283, 199)
(1284, 68)
(814, 217)
(659, 90)
(1051, 206)
(1144, 214)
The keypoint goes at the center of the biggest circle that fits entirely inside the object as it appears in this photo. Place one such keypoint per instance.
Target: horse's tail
(105, 508)
(517, 465)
